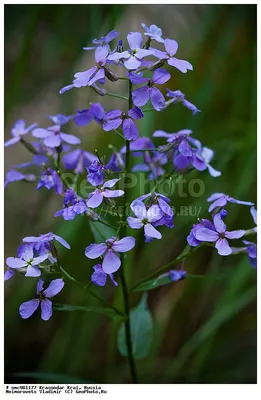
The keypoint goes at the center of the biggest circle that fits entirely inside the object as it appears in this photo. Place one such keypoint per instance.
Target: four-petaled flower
(50, 179)
(43, 300)
(95, 198)
(219, 235)
(153, 32)
(18, 131)
(99, 277)
(145, 218)
(72, 206)
(171, 47)
(114, 118)
(27, 260)
(162, 201)
(142, 95)
(132, 58)
(111, 261)
(221, 199)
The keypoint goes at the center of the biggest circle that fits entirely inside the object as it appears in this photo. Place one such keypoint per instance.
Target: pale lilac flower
(145, 218)
(28, 261)
(50, 179)
(111, 261)
(46, 238)
(171, 47)
(176, 140)
(99, 277)
(132, 58)
(178, 97)
(53, 137)
(43, 300)
(95, 198)
(14, 176)
(18, 131)
(143, 94)
(78, 160)
(251, 249)
(60, 119)
(219, 236)
(114, 118)
(104, 40)
(92, 75)
(162, 201)
(153, 32)
(221, 199)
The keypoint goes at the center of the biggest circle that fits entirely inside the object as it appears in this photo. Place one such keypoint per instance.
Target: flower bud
(111, 75)
(99, 90)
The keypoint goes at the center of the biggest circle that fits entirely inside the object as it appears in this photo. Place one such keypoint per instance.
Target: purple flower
(27, 260)
(78, 160)
(116, 163)
(143, 94)
(72, 206)
(92, 75)
(203, 155)
(252, 252)
(178, 97)
(145, 218)
(96, 173)
(177, 275)
(18, 131)
(111, 261)
(60, 119)
(203, 223)
(221, 199)
(177, 140)
(219, 235)
(50, 179)
(46, 238)
(104, 40)
(162, 201)
(139, 144)
(43, 300)
(171, 47)
(95, 198)
(114, 118)
(254, 215)
(14, 176)
(53, 137)
(99, 277)
(153, 32)
(84, 117)
(133, 57)
(153, 162)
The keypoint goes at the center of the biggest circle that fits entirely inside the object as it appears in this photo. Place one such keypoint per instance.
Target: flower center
(145, 221)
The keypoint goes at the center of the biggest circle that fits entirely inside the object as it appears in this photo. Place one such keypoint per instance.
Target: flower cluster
(147, 70)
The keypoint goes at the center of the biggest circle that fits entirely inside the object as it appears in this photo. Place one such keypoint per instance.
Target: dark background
(205, 329)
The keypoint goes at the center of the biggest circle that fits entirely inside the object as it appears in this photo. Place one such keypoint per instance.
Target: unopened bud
(111, 75)
(99, 90)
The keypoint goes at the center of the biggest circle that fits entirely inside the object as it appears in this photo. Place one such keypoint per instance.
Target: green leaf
(110, 312)
(49, 377)
(101, 232)
(152, 284)
(141, 331)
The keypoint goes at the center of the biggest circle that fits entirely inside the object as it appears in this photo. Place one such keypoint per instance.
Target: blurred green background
(205, 329)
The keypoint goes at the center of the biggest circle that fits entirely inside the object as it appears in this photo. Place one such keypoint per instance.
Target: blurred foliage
(204, 330)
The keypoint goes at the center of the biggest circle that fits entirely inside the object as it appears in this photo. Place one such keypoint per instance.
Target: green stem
(117, 96)
(166, 267)
(119, 134)
(125, 290)
(133, 151)
(28, 146)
